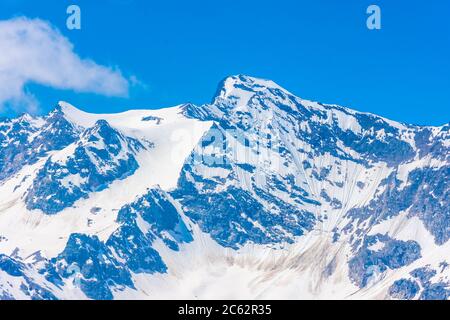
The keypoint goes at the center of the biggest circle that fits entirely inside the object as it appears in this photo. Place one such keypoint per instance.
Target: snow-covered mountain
(259, 194)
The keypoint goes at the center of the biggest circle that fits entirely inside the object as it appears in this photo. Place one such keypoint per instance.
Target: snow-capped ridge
(291, 197)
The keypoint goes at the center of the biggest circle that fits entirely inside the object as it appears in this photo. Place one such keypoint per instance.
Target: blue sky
(320, 50)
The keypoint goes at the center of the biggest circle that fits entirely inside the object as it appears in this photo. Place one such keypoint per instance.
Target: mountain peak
(67, 108)
(77, 117)
(238, 85)
(102, 129)
(25, 117)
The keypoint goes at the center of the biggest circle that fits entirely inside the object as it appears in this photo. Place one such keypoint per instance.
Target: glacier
(257, 195)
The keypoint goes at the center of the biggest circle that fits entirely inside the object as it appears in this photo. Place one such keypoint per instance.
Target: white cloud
(33, 51)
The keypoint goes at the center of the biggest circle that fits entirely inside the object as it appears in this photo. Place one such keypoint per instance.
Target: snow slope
(258, 195)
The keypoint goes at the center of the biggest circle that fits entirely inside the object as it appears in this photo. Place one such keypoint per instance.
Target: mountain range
(258, 195)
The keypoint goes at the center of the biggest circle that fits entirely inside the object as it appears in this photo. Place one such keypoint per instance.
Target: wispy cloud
(33, 51)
